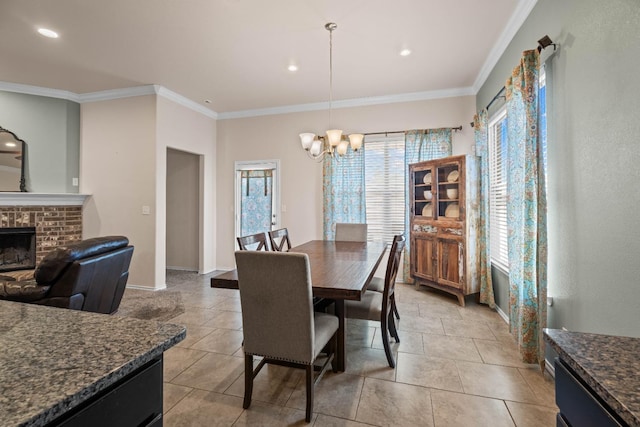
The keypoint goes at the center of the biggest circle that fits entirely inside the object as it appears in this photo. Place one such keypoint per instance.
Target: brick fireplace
(55, 225)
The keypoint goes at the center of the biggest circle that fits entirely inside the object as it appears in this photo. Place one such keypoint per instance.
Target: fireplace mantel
(42, 199)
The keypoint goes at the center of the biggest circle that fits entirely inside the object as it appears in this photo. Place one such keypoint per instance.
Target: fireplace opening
(17, 248)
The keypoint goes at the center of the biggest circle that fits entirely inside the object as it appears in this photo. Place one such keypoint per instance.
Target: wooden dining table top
(339, 270)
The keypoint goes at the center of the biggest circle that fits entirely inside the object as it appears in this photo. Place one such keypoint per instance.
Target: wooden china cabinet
(444, 221)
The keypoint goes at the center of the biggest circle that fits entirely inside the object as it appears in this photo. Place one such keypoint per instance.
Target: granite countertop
(52, 359)
(610, 365)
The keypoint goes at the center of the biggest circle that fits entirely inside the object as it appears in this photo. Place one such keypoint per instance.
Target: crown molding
(162, 91)
(39, 91)
(348, 103)
(185, 102)
(518, 17)
(108, 95)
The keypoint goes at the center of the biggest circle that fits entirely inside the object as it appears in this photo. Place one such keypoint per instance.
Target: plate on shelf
(453, 176)
(427, 210)
(427, 178)
(452, 211)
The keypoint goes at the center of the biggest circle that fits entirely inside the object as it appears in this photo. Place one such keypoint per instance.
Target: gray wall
(593, 153)
(51, 129)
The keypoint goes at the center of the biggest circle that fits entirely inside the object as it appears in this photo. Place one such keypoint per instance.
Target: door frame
(241, 165)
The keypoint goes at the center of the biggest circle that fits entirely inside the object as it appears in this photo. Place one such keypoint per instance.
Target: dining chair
(260, 239)
(278, 320)
(378, 306)
(351, 232)
(377, 285)
(278, 239)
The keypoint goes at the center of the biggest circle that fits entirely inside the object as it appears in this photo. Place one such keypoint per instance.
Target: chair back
(392, 267)
(351, 232)
(277, 310)
(259, 239)
(279, 239)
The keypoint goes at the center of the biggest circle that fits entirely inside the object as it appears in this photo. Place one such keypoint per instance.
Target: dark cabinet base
(134, 401)
(578, 404)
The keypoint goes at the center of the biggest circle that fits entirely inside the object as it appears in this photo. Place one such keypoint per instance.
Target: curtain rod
(495, 98)
(458, 128)
(543, 43)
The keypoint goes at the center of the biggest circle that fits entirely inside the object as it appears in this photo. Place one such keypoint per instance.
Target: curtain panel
(526, 212)
(421, 146)
(481, 131)
(343, 190)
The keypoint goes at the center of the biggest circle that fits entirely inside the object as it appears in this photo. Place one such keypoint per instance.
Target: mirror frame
(23, 147)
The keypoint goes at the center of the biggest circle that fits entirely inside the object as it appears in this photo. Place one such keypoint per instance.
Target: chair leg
(385, 340)
(395, 307)
(333, 346)
(392, 328)
(310, 387)
(248, 380)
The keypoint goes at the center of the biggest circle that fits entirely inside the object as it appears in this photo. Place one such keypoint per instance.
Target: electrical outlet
(74, 182)
(146, 210)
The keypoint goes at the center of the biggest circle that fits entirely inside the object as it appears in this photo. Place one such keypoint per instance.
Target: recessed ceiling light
(48, 33)
(405, 52)
(207, 101)
(293, 67)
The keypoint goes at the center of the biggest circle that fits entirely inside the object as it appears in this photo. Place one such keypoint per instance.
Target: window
(384, 186)
(498, 190)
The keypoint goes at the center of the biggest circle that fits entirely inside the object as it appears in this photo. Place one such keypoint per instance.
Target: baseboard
(170, 267)
(550, 368)
(146, 288)
(502, 314)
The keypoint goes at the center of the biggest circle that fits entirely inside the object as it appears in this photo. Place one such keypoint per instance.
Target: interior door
(257, 197)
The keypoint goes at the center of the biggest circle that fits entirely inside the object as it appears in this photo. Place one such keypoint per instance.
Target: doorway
(183, 211)
(257, 197)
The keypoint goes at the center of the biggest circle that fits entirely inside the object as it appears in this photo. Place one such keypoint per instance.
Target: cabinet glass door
(448, 193)
(423, 196)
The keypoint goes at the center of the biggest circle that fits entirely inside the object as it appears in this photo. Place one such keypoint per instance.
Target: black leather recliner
(90, 275)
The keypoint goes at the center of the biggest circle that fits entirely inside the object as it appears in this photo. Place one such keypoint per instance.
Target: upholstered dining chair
(351, 232)
(376, 305)
(245, 242)
(279, 240)
(278, 320)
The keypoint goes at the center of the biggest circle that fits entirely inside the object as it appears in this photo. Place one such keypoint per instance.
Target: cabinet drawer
(577, 402)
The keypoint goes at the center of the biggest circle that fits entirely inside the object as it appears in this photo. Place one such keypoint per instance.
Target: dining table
(340, 271)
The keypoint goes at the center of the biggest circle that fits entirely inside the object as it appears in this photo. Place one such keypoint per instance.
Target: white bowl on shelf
(427, 210)
(427, 178)
(453, 176)
(452, 211)
(452, 193)
(428, 195)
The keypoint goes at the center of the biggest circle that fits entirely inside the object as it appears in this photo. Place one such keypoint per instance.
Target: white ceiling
(235, 53)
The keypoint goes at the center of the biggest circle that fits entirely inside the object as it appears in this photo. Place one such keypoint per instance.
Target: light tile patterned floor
(455, 367)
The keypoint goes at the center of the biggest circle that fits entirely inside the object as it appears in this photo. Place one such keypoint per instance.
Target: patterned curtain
(420, 146)
(256, 201)
(481, 130)
(343, 190)
(526, 212)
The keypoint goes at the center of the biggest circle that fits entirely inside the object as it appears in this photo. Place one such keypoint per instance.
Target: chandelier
(334, 142)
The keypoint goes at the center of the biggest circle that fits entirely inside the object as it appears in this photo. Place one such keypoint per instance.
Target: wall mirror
(12, 154)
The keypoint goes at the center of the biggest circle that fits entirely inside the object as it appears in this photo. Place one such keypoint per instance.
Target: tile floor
(455, 367)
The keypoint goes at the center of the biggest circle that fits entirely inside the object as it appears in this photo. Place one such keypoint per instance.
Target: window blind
(498, 190)
(384, 187)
